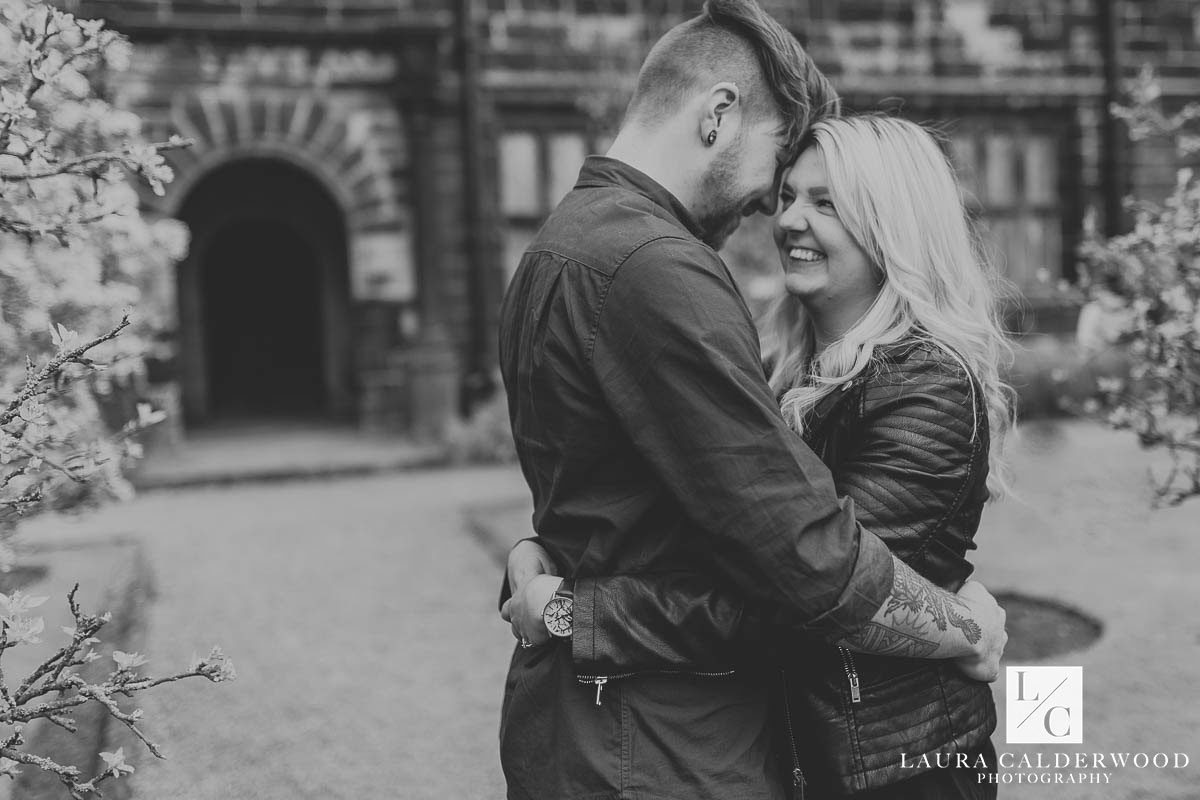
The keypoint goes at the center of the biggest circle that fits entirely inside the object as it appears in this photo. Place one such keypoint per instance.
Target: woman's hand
(530, 571)
(526, 559)
(525, 609)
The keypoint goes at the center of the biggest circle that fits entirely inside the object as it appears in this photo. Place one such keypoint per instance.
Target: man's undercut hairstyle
(735, 41)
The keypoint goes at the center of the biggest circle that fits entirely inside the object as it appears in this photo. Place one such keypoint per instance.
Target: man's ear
(721, 112)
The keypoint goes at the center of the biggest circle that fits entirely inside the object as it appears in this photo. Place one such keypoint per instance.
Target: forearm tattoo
(908, 612)
(884, 641)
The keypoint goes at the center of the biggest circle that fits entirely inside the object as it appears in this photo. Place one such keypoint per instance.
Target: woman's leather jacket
(907, 443)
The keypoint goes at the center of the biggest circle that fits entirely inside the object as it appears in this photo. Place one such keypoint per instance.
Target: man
(651, 442)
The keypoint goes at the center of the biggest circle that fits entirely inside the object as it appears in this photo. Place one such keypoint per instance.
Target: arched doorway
(263, 297)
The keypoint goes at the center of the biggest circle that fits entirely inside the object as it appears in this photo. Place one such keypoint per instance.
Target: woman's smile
(805, 254)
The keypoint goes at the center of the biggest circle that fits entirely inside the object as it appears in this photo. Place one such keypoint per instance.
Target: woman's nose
(793, 218)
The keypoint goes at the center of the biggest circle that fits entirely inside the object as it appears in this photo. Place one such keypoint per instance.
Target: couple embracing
(749, 578)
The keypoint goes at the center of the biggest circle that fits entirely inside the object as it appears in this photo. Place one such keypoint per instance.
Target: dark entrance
(263, 297)
(260, 286)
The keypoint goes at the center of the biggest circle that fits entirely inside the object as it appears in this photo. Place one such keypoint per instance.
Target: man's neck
(656, 155)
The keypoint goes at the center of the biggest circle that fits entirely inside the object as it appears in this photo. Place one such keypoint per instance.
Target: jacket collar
(605, 171)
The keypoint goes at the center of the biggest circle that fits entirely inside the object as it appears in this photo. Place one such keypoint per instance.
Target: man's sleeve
(677, 356)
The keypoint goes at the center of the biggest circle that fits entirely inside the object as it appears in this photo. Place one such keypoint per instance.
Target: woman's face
(822, 264)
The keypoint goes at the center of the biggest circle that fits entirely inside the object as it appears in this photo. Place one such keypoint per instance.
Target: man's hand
(526, 606)
(984, 665)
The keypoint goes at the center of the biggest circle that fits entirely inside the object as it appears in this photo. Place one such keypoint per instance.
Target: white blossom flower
(62, 337)
(25, 630)
(217, 667)
(128, 660)
(147, 416)
(118, 53)
(18, 603)
(115, 762)
(14, 104)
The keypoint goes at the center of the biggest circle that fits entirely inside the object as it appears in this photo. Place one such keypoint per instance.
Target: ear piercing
(712, 137)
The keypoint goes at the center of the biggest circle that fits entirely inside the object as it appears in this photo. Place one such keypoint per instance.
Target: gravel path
(360, 615)
(1082, 532)
(361, 620)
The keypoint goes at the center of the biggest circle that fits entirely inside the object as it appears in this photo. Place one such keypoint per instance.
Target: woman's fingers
(527, 560)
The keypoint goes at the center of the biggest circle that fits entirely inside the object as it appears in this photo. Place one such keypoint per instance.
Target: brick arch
(355, 153)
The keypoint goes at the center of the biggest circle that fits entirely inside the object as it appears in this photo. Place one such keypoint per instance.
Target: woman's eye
(824, 204)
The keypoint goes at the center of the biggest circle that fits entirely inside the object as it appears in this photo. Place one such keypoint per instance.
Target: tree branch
(13, 409)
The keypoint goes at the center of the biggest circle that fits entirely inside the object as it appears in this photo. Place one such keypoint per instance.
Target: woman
(884, 352)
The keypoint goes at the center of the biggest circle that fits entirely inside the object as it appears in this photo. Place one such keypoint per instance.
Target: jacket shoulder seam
(594, 327)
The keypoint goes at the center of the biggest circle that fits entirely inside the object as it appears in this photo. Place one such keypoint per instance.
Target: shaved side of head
(738, 42)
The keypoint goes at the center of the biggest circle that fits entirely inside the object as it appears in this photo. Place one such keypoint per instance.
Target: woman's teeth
(804, 254)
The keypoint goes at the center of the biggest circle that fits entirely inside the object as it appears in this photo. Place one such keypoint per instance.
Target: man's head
(739, 92)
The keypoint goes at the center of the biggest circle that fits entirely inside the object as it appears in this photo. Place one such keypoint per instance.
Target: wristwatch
(557, 613)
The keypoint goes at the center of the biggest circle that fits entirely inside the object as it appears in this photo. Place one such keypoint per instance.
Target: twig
(13, 409)
(29, 451)
(73, 166)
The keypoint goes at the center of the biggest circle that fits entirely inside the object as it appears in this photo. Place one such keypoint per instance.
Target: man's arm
(920, 620)
(623, 624)
(676, 354)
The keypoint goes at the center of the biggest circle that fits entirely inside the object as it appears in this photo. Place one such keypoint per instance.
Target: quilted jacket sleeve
(916, 461)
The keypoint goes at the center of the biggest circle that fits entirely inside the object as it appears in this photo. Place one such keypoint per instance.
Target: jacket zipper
(599, 681)
(798, 780)
(851, 674)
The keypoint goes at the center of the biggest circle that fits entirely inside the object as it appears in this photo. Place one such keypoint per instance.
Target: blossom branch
(91, 164)
(53, 366)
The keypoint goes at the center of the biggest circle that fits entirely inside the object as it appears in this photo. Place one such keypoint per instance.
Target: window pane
(567, 151)
(1035, 257)
(1041, 171)
(520, 175)
(1046, 236)
(963, 153)
(1009, 254)
(998, 161)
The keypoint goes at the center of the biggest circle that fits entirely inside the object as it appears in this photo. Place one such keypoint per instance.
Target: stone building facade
(365, 172)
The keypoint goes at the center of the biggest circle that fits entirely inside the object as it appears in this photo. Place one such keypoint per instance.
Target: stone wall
(365, 95)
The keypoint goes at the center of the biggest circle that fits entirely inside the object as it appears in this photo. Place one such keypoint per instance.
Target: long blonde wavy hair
(896, 194)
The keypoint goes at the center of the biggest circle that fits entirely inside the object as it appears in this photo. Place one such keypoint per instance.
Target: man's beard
(720, 211)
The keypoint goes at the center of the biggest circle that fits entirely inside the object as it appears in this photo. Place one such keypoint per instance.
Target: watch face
(557, 616)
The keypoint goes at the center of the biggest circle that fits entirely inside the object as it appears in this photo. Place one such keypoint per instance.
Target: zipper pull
(855, 694)
(599, 687)
(799, 782)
